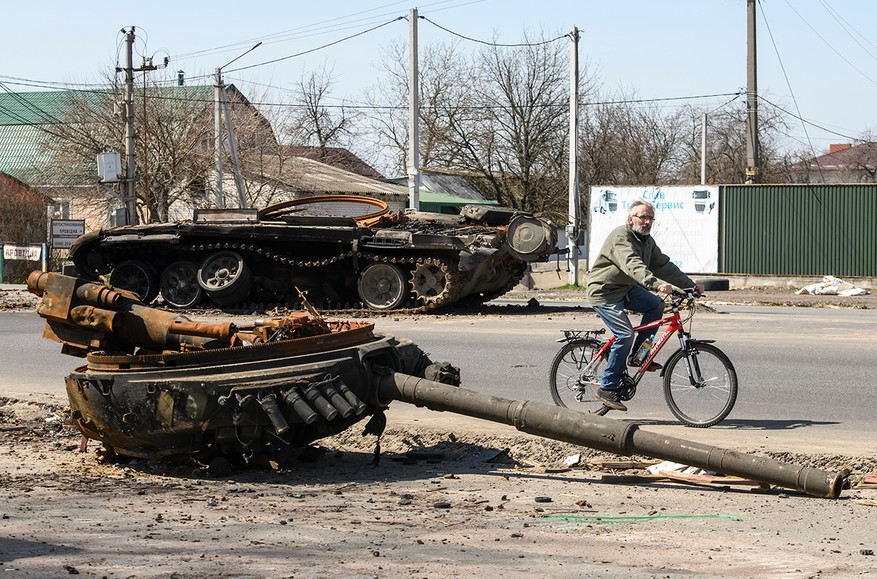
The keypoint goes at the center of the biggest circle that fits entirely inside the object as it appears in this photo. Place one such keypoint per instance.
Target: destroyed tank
(159, 385)
(379, 260)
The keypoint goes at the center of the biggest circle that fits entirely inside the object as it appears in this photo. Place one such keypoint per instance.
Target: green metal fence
(810, 230)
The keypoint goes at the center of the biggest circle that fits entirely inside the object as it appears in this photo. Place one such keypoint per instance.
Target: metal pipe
(605, 434)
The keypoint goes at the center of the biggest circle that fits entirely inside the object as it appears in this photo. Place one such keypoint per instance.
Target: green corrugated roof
(34, 108)
(26, 119)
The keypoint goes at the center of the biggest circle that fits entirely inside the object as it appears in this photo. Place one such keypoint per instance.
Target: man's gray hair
(640, 203)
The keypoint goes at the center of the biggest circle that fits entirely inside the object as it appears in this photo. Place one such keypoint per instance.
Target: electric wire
(847, 27)
(828, 44)
(470, 39)
(789, 85)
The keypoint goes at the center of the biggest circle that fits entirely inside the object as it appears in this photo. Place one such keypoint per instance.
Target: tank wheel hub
(225, 277)
(138, 277)
(179, 285)
(382, 286)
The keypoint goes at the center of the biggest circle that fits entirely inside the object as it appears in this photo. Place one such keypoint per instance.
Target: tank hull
(413, 261)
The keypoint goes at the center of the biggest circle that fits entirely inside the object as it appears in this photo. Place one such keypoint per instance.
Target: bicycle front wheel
(700, 385)
(575, 377)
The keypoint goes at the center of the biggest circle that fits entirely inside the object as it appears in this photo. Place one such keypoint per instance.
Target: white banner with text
(686, 221)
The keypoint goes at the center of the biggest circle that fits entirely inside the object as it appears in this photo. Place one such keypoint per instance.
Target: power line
(806, 122)
(470, 39)
(847, 27)
(788, 83)
(340, 40)
(828, 44)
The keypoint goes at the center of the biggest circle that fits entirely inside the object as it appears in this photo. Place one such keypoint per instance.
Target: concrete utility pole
(572, 230)
(753, 160)
(217, 139)
(220, 104)
(131, 167)
(703, 151)
(233, 152)
(413, 115)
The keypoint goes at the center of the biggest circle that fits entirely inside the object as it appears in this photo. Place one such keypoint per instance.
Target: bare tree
(173, 148)
(518, 138)
(625, 141)
(726, 145)
(313, 121)
(444, 83)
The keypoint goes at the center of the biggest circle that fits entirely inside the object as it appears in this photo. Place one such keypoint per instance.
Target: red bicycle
(700, 383)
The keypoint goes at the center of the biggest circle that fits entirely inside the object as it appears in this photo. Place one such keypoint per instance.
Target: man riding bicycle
(628, 266)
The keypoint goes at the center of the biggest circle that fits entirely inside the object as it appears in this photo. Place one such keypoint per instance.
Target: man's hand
(664, 288)
(698, 291)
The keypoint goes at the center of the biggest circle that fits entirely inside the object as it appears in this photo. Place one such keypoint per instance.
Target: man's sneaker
(653, 367)
(611, 398)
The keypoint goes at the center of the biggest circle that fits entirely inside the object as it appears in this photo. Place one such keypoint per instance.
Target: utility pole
(217, 135)
(413, 115)
(131, 165)
(753, 160)
(703, 151)
(572, 230)
(233, 152)
(220, 103)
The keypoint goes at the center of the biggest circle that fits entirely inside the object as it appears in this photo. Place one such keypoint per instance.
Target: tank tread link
(233, 259)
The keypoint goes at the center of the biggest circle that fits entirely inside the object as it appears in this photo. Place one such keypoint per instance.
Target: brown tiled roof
(848, 158)
(336, 157)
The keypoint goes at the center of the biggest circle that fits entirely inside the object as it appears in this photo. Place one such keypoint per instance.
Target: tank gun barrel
(605, 434)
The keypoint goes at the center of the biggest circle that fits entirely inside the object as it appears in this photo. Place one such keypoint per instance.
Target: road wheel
(382, 286)
(138, 277)
(225, 277)
(179, 285)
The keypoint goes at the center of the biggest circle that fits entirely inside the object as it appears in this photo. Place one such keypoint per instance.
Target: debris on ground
(832, 286)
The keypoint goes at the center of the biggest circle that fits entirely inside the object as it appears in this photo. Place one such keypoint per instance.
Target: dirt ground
(440, 502)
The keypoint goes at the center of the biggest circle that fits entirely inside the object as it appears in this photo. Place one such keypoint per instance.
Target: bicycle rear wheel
(575, 377)
(700, 385)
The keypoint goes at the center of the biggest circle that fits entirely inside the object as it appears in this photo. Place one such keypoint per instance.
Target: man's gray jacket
(628, 259)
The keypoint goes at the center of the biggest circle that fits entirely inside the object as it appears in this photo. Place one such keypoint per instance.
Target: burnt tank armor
(379, 260)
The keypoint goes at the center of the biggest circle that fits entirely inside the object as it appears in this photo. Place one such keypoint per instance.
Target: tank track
(454, 279)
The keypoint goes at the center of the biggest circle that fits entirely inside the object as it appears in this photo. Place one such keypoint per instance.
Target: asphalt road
(805, 374)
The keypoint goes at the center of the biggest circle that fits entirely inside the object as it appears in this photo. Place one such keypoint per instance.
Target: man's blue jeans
(640, 300)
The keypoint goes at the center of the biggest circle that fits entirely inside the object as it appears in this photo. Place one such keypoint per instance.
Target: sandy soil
(437, 504)
(443, 501)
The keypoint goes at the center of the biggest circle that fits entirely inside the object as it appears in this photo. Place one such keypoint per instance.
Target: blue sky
(815, 56)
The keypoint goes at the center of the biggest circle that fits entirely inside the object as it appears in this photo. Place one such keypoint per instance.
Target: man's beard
(642, 229)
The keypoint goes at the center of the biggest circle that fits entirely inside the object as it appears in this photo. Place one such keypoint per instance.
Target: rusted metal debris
(157, 384)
